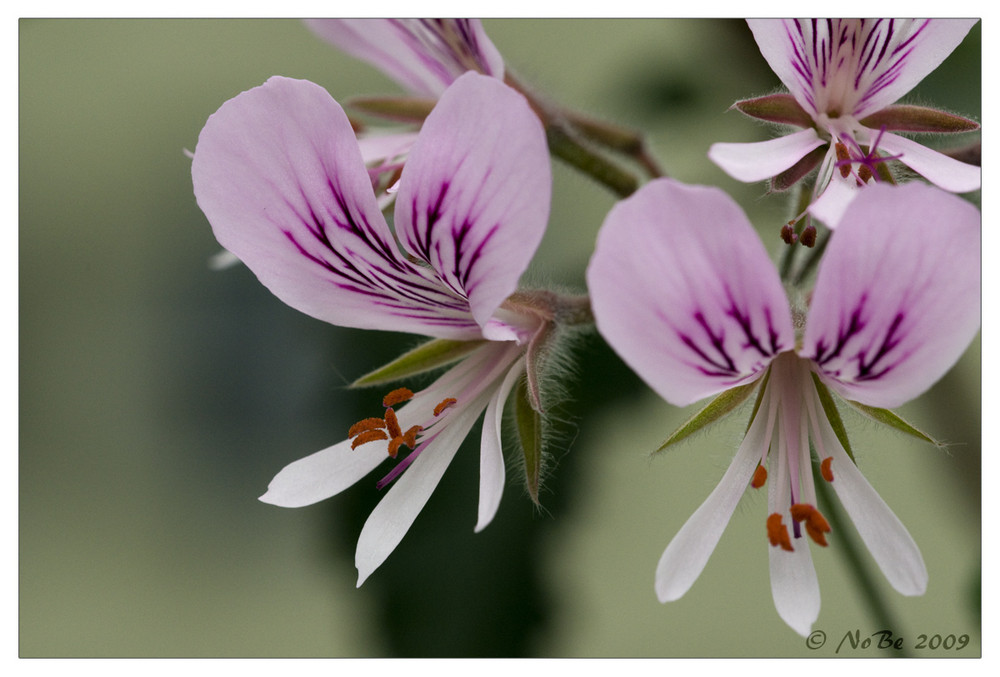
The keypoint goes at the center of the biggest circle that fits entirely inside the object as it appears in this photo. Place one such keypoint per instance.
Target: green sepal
(711, 413)
(893, 420)
(904, 118)
(425, 357)
(780, 108)
(401, 108)
(529, 433)
(832, 415)
(791, 176)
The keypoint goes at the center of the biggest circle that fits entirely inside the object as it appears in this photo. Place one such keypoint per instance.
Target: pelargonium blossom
(843, 75)
(279, 174)
(423, 55)
(683, 290)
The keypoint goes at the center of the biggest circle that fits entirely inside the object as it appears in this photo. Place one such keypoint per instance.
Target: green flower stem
(565, 144)
(814, 256)
(847, 544)
(620, 139)
(570, 150)
(801, 219)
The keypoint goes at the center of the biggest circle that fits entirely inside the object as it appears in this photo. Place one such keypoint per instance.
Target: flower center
(791, 417)
(849, 153)
(388, 428)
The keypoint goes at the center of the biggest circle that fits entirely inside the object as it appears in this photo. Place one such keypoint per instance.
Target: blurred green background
(158, 397)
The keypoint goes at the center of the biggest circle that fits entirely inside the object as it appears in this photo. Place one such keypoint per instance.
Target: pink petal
(939, 169)
(763, 159)
(685, 293)
(854, 67)
(473, 199)
(897, 298)
(279, 175)
(422, 55)
(920, 46)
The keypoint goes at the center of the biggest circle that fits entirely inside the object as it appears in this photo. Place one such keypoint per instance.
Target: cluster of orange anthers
(844, 160)
(387, 428)
(815, 524)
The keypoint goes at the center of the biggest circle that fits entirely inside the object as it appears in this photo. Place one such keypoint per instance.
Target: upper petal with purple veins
(897, 298)
(685, 293)
(473, 199)
(279, 175)
(855, 66)
(423, 55)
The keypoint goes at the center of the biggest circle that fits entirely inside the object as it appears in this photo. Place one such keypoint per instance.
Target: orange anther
(777, 533)
(816, 534)
(825, 470)
(396, 396)
(365, 424)
(801, 511)
(819, 521)
(864, 173)
(816, 525)
(444, 404)
(759, 477)
(392, 423)
(368, 436)
(394, 446)
(410, 437)
(843, 156)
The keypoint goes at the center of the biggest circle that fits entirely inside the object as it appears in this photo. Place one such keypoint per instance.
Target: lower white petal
(829, 207)
(492, 472)
(685, 558)
(393, 516)
(794, 585)
(763, 159)
(323, 474)
(887, 539)
(941, 170)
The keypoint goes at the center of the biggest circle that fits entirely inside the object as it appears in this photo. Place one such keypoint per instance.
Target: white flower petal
(323, 474)
(829, 207)
(685, 558)
(393, 516)
(492, 473)
(761, 160)
(890, 544)
(939, 169)
(794, 585)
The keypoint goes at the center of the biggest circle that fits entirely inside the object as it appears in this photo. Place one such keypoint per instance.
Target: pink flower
(280, 176)
(844, 74)
(684, 291)
(423, 55)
